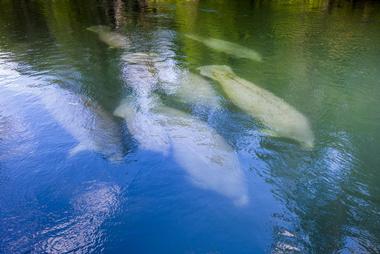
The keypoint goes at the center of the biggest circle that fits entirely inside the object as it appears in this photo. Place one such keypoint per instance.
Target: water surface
(75, 177)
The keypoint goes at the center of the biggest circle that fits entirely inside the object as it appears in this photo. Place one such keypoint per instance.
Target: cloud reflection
(82, 233)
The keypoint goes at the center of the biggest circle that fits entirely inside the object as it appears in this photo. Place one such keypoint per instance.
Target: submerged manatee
(227, 47)
(143, 126)
(281, 118)
(147, 71)
(195, 89)
(209, 161)
(109, 37)
(84, 120)
(92, 127)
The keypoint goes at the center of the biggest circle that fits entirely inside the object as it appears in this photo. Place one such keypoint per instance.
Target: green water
(321, 57)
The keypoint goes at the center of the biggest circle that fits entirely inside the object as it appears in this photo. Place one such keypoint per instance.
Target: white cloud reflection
(82, 233)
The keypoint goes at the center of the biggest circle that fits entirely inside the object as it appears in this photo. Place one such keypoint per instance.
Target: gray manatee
(282, 119)
(145, 72)
(109, 37)
(195, 89)
(210, 162)
(227, 47)
(144, 126)
(92, 127)
(84, 120)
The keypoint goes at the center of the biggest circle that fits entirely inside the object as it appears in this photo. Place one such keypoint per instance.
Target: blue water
(75, 177)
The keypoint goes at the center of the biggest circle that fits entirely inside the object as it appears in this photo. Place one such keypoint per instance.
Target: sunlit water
(111, 140)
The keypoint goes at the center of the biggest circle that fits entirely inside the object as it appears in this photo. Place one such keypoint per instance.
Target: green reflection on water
(322, 57)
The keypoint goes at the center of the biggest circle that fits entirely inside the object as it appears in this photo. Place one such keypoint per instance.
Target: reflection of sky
(336, 163)
(83, 231)
(306, 182)
(325, 195)
(16, 138)
(8, 70)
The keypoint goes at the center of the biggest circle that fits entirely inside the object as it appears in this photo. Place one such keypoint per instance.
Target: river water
(113, 140)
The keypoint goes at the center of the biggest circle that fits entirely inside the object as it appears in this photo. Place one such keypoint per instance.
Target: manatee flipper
(79, 148)
(116, 158)
(308, 146)
(269, 133)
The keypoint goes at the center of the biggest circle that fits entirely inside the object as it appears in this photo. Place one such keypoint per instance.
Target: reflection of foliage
(59, 27)
(321, 56)
(313, 58)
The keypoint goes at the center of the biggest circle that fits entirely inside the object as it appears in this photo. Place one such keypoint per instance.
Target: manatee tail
(116, 158)
(92, 29)
(80, 148)
(308, 146)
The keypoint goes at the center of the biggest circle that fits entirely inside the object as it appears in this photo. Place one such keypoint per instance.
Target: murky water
(113, 139)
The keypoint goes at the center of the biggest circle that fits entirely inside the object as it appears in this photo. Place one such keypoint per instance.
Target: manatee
(195, 89)
(109, 37)
(227, 47)
(210, 162)
(92, 128)
(282, 119)
(87, 122)
(143, 126)
(147, 71)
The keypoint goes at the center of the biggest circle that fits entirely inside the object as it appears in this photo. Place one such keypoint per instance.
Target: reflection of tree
(120, 18)
(68, 22)
(330, 205)
(327, 193)
(325, 207)
(22, 19)
(57, 31)
(24, 26)
(313, 59)
(331, 201)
